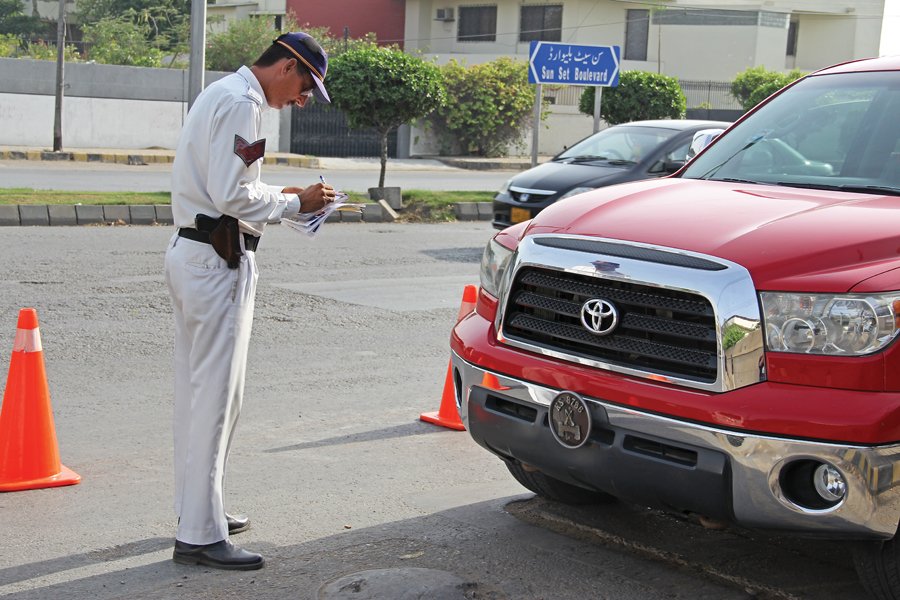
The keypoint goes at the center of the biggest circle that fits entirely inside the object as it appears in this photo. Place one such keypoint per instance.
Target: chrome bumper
(870, 508)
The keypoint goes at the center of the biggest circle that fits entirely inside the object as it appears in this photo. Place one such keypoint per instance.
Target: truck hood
(557, 176)
(789, 239)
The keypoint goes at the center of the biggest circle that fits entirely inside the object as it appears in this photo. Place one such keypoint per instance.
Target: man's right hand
(314, 197)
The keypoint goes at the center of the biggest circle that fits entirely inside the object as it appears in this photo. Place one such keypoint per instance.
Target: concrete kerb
(138, 157)
(161, 214)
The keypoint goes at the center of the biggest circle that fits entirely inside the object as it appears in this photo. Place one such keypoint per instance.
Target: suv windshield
(620, 145)
(837, 131)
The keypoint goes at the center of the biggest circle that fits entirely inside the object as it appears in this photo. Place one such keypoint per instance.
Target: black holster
(224, 235)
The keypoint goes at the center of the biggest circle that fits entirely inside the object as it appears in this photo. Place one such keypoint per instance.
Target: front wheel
(554, 489)
(878, 568)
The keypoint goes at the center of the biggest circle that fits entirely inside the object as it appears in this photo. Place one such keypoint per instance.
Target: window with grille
(540, 23)
(637, 33)
(477, 24)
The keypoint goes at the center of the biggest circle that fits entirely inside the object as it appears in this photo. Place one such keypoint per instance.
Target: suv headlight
(493, 265)
(843, 325)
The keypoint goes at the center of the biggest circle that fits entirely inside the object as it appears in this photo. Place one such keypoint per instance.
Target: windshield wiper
(751, 142)
(588, 158)
(734, 180)
(864, 189)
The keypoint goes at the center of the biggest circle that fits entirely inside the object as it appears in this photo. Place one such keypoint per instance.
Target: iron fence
(321, 130)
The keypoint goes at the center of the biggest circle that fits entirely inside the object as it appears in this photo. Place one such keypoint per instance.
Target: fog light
(829, 483)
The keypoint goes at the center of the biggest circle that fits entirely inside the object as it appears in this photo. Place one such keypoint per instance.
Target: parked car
(628, 152)
(721, 343)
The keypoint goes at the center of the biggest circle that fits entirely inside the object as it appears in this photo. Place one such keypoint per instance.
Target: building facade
(696, 39)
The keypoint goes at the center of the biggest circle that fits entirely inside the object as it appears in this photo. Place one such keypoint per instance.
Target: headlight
(574, 191)
(845, 325)
(493, 264)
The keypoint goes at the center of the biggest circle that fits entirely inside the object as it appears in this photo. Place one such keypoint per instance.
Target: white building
(688, 39)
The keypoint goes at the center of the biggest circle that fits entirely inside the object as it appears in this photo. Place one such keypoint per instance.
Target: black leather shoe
(221, 555)
(237, 523)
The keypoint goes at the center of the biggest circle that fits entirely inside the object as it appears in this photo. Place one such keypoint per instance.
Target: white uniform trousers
(213, 308)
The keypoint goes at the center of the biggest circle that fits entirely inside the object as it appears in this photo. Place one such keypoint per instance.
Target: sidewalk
(161, 155)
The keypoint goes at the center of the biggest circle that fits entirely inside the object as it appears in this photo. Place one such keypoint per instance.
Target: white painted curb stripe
(28, 340)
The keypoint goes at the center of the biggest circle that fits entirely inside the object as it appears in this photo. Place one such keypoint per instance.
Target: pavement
(67, 215)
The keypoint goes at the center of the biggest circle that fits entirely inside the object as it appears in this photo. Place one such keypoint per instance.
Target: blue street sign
(552, 62)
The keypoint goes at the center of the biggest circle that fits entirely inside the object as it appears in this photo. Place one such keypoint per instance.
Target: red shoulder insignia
(249, 152)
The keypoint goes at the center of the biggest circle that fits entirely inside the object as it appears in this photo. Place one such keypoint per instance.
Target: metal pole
(198, 50)
(60, 60)
(537, 124)
(598, 91)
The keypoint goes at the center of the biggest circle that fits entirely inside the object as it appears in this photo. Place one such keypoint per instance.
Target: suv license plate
(517, 215)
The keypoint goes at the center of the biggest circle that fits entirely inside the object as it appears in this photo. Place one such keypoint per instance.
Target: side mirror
(702, 139)
(670, 166)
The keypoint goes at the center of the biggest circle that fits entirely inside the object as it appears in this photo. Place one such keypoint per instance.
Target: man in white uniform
(217, 173)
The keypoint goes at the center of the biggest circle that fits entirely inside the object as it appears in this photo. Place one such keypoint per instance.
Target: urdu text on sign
(551, 62)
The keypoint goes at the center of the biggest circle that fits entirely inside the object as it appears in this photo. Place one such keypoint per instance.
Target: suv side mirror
(702, 139)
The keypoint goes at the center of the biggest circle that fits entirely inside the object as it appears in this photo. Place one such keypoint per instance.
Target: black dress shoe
(221, 555)
(237, 523)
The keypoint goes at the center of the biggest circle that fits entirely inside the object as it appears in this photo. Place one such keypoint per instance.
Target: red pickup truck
(720, 342)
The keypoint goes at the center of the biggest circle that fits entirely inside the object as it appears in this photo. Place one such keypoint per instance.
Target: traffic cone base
(447, 415)
(66, 476)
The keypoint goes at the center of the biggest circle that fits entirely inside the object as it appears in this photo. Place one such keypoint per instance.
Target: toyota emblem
(599, 316)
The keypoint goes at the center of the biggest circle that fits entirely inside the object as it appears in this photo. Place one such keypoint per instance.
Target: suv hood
(559, 176)
(789, 239)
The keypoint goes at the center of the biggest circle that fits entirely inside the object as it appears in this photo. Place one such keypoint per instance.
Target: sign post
(568, 64)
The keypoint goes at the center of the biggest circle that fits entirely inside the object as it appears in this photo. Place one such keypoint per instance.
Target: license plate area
(517, 215)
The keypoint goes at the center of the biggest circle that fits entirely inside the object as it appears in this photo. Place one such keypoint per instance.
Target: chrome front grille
(672, 307)
(662, 330)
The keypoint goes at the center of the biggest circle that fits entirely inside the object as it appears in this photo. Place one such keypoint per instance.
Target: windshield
(836, 131)
(622, 144)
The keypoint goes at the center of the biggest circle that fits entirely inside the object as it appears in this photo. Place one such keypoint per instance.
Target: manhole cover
(399, 584)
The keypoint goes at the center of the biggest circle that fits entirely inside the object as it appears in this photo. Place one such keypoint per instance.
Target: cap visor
(320, 93)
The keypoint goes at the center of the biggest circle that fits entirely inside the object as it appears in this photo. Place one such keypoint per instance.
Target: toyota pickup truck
(720, 342)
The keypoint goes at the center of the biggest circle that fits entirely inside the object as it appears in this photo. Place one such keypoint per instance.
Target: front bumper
(675, 464)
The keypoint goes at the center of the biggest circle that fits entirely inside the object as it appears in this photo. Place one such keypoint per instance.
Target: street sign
(552, 62)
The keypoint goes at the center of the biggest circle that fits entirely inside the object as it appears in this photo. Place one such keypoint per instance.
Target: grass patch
(420, 206)
(27, 196)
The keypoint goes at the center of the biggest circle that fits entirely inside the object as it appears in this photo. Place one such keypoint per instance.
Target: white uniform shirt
(209, 176)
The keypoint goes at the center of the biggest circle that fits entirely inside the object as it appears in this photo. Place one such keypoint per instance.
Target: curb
(141, 158)
(29, 215)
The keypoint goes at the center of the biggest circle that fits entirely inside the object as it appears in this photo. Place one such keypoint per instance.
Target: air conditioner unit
(443, 14)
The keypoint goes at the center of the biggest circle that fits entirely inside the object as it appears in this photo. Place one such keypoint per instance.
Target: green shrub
(488, 106)
(120, 41)
(757, 83)
(640, 95)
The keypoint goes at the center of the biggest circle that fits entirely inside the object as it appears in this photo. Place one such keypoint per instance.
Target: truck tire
(554, 489)
(878, 568)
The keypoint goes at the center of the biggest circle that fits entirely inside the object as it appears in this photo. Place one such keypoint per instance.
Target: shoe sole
(193, 560)
(239, 529)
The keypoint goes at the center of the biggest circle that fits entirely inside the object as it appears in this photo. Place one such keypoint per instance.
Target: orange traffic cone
(447, 415)
(29, 457)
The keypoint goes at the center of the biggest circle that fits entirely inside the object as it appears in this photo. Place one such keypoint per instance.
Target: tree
(246, 39)
(488, 106)
(14, 21)
(119, 41)
(382, 88)
(640, 95)
(755, 84)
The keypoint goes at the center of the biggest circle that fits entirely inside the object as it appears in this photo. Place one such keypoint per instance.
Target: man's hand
(313, 197)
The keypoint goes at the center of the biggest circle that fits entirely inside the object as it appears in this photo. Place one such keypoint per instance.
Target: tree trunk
(384, 153)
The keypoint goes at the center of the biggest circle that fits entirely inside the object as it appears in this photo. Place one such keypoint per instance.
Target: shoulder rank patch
(249, 152)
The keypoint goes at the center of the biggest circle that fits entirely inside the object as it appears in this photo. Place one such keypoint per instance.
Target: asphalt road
(349, 175)
(351, 495)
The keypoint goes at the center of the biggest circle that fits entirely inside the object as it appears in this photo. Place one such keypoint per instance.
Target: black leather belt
(250, 241)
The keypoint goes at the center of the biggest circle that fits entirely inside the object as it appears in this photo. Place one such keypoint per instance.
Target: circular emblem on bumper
(570, 420)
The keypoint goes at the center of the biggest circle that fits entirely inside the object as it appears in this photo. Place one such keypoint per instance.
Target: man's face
(294, 86)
